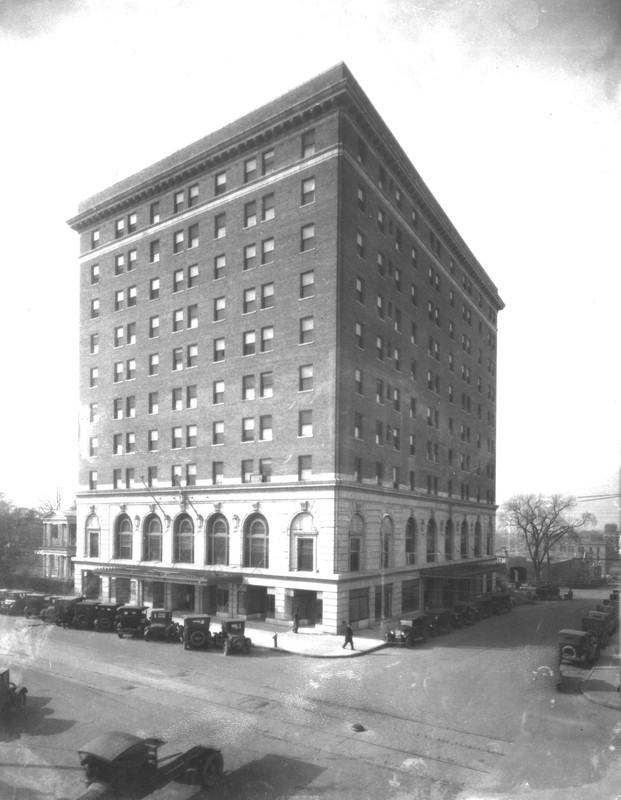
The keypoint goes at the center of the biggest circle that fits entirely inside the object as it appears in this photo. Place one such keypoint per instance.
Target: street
(471, 714)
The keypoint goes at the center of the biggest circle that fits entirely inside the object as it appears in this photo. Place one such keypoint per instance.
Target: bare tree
(544, 522)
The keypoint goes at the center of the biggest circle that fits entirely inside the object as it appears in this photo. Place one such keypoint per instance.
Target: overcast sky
(509, 109)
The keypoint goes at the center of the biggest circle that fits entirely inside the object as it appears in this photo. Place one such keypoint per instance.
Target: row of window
(253, 167)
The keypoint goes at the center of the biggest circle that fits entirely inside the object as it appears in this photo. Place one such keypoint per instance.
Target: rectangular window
(119, 264)
(154, 289)
(178, 278)
(308, 191)
(305, 468)
(192, 355)
(217, 432)
(358, 430)
(94, 274)
(305, 380)
(130, 406)
(152, 440)
(193, 239)
(95, 239)
(250, 169)
(249, 343)
(248, 387)
(191, 396)
(305, 422)
(132, 294)
(117, 408)
(94, 412)
(154, 327)
(117, 444)
(192, 276)
(267, 251)
(119, 299)
(307, 284)
(177, 320)
(218, 349)
(308, 143)
(154, 213)
(307, 237)
(177, 359)
(219, 267)
(154, 405)
(178, 241)
(119, 228)
(267, 339)
(266, 384)
(249, 303)
(247, 434)
(132, 260)
(247, 466)
(92, 485)
(250, 256)
(360, 244)
(220, 226)
(267, 295)
(307, 330)
(193, 195)
(265, 469)
(220, 183)
(177, 399)
(130, 369)
(191, 435)
(176, 437)
(95, 308)
(268, 209)
(118, 372)
(250, 214)
(267, 161)
(132, 222)
(154, 251)
(218, 392)
(265, 428)
(190, 474)
(192, 314)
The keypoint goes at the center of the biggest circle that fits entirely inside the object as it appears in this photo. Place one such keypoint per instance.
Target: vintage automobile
(12, 596)
(161, 627)
(600, 626)
(483, 606)
(35, 602)
(84, 613)
(106, 616)
(439, 620)
(578, 647)
(469, 611)
(11, 695)
(607, 617)
(196, 632)
(64, 609)
(548, 591)
(612, 612)
(411, 630)
(131, 621)
(124, 763)
(21, 602)
(232, 637)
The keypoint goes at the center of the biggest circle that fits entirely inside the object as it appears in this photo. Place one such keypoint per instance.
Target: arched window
(123, 537)
(411, 533)
(256, 542)
(302, 548)
(449, 535)
(386, 536)
(431, 541)
(464, 539)
(183, 540)
(217, 550)
(93, 534)
(478, 539)
(152, 539)
(356, 543)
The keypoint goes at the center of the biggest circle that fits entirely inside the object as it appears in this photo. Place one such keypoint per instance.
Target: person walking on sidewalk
(349, 636)
(296, 621)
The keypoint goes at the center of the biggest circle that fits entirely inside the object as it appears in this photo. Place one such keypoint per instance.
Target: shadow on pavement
(35, 718)
(269, 777)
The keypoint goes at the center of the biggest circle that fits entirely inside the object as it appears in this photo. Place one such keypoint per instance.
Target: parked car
(548, 591)
(106, 616)
(20, 603)
(122, 762)
(411, 630)
(64, 609)
(131, 621)
(84, 613)
(470, 612)
(12, 696)
(196, 632)
(48, 612)
(438, 620)
(35, 602)
(612, 613)
(501, 602)
(483, 606)
(232, 637)
(10, 598)
(578, 647)
(161, 627)
(600, 626)
(608, 618)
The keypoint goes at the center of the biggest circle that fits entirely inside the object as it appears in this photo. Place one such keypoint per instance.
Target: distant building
(288, 376)
(59, 544)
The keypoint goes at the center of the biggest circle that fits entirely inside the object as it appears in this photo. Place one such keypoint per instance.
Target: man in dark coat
(349, 636)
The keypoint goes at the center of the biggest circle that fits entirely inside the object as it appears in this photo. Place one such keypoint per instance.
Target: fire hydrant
(275, 638)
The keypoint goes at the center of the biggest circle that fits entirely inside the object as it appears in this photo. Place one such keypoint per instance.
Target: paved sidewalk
(312, 642)
(601, 684)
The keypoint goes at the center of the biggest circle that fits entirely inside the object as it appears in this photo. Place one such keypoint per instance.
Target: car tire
(119, 634)
(211, 768)
(81, 621)
(104, 624)
(409, 642)
(147, 637)
(198, 638)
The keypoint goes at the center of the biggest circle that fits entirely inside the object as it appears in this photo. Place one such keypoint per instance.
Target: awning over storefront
(170, 575)
(460, 570)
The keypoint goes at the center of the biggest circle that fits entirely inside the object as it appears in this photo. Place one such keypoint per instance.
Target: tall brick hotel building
(287, 376)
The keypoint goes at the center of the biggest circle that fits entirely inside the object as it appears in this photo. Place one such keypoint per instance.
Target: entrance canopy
(172, 575)
(460, 570)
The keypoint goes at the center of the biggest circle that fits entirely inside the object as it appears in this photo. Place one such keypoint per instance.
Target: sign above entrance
(186, 576)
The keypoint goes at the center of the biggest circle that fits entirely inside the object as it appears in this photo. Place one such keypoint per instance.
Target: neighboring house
(288, 376)
(59, 544)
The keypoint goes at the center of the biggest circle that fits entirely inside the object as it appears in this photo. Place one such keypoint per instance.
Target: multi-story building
(59, 544)
(288, 376)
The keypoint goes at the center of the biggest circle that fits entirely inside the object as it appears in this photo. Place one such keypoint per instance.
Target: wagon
(122, 762)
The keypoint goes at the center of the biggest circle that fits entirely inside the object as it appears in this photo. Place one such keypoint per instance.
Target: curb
(592, 698)
(350, 654)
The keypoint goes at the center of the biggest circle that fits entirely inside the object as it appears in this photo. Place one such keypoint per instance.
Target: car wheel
(81, 621)
(197, 638)
(409, 642)
(104, 624)
(147, 637)
(120, 634)
(211, 768)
